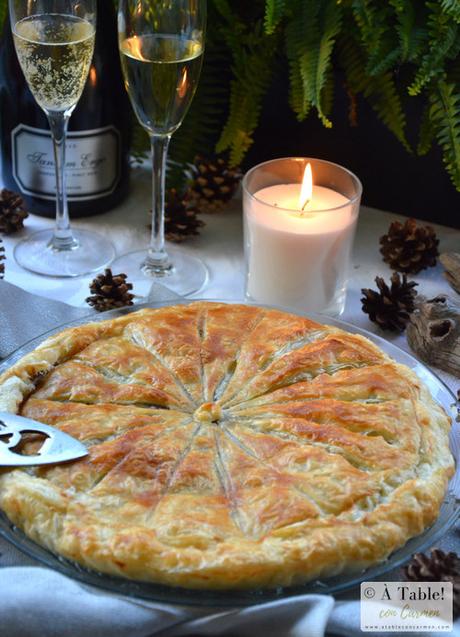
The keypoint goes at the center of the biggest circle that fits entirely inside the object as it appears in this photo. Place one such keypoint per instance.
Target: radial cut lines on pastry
(230, 446)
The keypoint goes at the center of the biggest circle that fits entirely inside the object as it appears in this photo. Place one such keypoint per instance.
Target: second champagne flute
(54, 41)
(161, 48)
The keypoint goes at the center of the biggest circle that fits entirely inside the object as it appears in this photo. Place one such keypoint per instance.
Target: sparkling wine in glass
(54, 42)
(161, 48)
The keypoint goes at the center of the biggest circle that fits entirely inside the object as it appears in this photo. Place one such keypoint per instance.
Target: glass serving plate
(448, 515)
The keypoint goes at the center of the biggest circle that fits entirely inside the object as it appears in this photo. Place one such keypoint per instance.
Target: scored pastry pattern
(213, 424)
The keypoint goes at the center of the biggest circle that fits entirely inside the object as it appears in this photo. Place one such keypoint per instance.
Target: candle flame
(306, 191)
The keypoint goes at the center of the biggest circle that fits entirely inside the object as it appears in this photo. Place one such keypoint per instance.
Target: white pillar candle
(298, 258)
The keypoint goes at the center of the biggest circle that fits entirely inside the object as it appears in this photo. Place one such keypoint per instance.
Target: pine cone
(408, 247)
(391, 306)
(2, 258)
(12, 213)
(110, 291)
(180, 217)
(214, 183)
(438, 567)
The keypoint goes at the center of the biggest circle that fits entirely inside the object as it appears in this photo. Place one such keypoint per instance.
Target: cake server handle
(57, 447)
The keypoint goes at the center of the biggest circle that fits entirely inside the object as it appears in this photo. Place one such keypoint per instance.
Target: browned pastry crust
(230, 447)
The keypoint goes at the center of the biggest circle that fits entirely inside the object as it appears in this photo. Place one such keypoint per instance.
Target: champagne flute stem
(62, 237)
(157, 262)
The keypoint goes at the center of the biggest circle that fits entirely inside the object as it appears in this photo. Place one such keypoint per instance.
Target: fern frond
(410, 29)
(377, 39)
(380, 91)
(253, 60)
(386, 62)
(310, 39)
(386, 102)
(274, 13)
(387, 49)
(299, 104)
(370, 26)
(327, 94)
(445, 116)
(444, 41)
(452, 9)
(245, 107)
(400, 6)
(330, 23)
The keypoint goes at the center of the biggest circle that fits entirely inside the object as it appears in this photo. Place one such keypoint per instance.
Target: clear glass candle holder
(299, 258)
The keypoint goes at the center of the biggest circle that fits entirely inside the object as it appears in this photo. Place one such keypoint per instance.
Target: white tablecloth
(220, 245)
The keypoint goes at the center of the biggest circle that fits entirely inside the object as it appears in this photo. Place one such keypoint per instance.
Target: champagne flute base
(88, 253)
(187, 275)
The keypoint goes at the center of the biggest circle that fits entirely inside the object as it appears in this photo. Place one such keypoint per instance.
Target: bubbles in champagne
(55, 52)
(161, 75)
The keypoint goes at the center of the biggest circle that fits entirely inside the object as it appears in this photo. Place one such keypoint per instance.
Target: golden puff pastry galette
(230, 446)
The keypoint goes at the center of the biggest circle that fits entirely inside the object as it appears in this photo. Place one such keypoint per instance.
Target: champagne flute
(161, 46)
(54, 41)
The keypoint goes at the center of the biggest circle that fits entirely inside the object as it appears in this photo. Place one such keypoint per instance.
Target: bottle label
(93, 162)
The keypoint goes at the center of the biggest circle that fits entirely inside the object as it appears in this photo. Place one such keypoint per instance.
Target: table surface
(220, 245)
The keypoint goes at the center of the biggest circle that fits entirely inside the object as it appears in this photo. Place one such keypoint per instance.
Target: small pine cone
(180, 217)
(214, 183)
(438, 567)
(408, 247)
(110, 291)
(391, 307)
(12, 213)
(2, 258)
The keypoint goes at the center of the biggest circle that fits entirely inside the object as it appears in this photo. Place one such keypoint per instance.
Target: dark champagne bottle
(98, 141)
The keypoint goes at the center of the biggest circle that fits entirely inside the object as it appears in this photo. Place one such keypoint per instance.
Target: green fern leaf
(381, 91)
(373, 25)
(444, 42)
(330, 22)
(400, 6)
(310, 42)
(445, 116)
(386, 62)
(412, 35)
(386, 102)
(274, 13)
(327, 94)
(452, 9)
(253, 61)
(294, 43)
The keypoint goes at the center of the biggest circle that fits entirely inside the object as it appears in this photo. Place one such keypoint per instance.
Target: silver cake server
(58, 446)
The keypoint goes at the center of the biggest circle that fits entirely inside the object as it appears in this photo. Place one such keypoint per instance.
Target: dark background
(392, 178)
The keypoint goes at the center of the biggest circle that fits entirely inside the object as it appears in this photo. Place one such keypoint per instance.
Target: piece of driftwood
(433, 332)
(451, 263)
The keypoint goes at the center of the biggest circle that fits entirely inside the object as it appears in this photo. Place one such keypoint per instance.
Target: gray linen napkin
(38, 602)
(24, 316)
